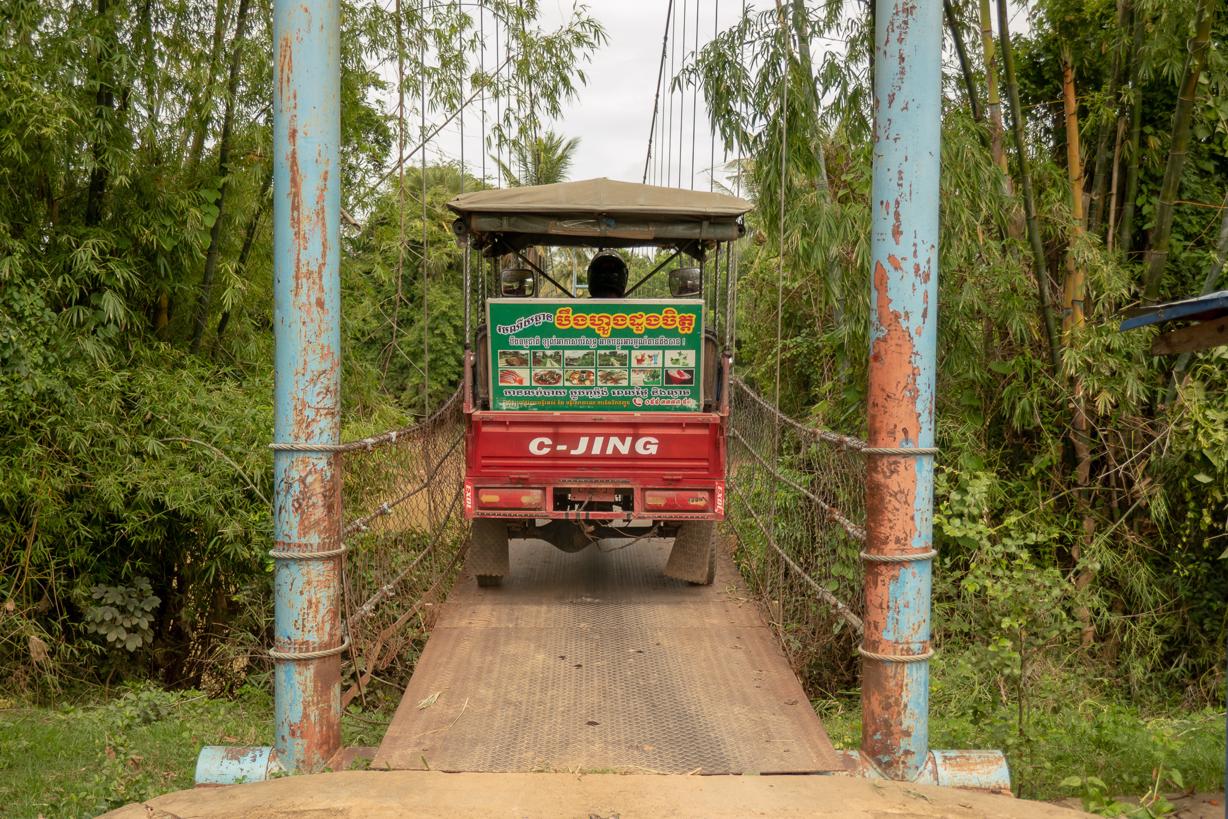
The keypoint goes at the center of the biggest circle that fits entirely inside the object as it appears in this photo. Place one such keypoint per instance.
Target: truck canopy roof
(597, 213)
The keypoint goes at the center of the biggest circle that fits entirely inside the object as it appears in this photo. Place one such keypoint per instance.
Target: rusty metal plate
(597, 662)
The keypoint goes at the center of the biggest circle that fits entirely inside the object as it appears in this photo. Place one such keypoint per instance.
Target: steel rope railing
(833, 513)
(402, 535)
(826, 596)
(799, 521)
(827, 436)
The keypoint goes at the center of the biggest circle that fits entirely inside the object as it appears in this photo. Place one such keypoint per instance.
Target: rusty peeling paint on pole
(903, 336)
(307, 328)
(307, 602)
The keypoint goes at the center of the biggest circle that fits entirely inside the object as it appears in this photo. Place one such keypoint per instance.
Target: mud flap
(488, 552)
(693, 557)
(564, 535)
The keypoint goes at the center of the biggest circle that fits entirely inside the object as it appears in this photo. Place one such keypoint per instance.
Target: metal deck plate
(597, 662)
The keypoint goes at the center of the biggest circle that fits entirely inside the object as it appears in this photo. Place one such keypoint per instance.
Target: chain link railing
(797, 506)
(404, 535)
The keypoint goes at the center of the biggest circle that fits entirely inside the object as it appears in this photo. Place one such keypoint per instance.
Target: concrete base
(377, 794)
(967, 770)
(228, 765)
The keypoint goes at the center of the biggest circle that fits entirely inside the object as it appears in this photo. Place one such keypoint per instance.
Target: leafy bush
(123, 615)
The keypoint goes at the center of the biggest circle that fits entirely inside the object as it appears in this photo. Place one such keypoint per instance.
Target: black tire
(488, 551)
(711, 565)
(693, 556)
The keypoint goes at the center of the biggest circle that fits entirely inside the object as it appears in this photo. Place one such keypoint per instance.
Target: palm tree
(542, 160)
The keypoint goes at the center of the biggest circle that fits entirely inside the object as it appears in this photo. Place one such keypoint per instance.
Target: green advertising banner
(596, 356)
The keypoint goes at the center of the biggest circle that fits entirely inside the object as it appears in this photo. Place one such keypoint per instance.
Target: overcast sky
(613, 112)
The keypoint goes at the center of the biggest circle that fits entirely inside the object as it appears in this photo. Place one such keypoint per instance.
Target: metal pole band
(302, 447)
(310, 655)
(278, 554)
(899, 450)
(896, 658)
(873, 558)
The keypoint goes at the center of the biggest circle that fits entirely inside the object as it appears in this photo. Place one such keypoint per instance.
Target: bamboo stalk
(964, 65)
(801, 30)
(1073, 287)
(993, 103)
(1157, 254)
(1100, 172)
(223, 171)
(1040, 269)
(1125, 231)
(1111, 231)
(1072, 319)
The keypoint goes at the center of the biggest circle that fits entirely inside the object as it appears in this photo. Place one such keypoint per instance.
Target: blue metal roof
(1209, 306)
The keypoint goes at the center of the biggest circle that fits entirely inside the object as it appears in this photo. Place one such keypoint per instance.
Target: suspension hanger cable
(396, 307)
(716, 264)
(426, 313)
(694, 95)
(669, 142)
(423, 144)
(681, 92)
(656, 100)
(482, 71)
(786, 75)
(498, 107)
(716, 30)
(466, 283)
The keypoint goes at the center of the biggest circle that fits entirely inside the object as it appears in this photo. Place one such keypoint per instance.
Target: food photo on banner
(642, 356)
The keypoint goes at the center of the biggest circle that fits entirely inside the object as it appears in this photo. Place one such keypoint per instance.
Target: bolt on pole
(900, 402)
(308, 636)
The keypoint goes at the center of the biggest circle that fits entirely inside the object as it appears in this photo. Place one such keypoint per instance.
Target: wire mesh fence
(404, 533)
(797, 506)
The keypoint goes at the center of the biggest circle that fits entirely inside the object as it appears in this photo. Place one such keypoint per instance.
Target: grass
(1115, 742)
(109, 749)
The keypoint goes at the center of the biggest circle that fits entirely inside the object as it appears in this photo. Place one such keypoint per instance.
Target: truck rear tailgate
(540, 447)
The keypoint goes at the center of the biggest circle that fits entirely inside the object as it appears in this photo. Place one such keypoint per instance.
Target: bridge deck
(597, 662)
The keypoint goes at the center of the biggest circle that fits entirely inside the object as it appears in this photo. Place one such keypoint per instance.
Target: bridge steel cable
(694, 96)
(426, 313)
(669, 139)
(656, 100)
(682, 93)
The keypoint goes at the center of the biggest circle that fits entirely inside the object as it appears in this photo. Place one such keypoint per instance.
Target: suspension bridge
(597, 662)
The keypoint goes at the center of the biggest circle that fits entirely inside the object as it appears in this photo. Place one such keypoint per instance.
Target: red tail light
(510, 497)
(678, 500)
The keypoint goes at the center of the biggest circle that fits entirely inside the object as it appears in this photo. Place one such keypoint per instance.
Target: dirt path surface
(370, 794)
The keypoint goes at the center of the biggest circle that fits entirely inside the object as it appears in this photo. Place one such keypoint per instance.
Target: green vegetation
(1081, 515)
(1084, 738)
(1082, 499)
(86, 758)
(135, 292)
(82, 758)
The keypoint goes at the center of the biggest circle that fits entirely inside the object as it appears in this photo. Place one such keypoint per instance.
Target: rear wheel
(711, 563)
(488, 551)
(693, 557)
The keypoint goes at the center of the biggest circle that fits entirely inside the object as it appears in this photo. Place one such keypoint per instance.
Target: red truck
(600, 415)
